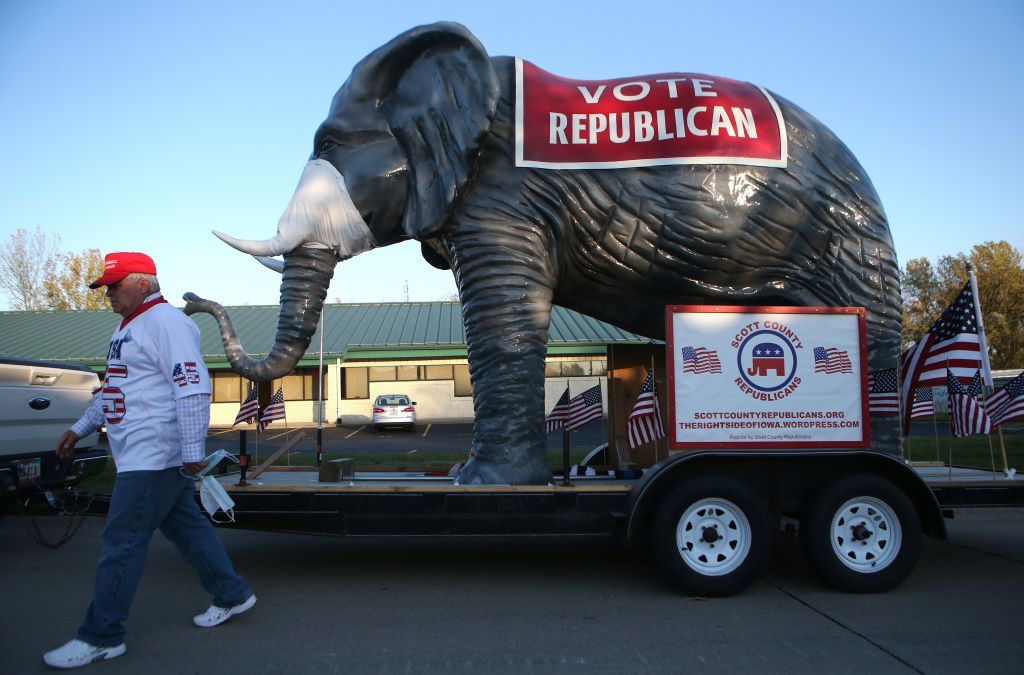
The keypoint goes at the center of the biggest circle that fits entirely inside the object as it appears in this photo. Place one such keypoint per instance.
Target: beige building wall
(435, 399)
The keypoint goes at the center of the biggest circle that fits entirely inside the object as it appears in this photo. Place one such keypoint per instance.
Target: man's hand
(66, 443)
(193, 467)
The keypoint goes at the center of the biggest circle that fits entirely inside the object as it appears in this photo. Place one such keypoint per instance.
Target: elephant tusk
(320, 214)
(271, 263)
(277, 245)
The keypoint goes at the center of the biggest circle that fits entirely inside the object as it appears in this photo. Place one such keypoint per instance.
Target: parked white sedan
(393, 410)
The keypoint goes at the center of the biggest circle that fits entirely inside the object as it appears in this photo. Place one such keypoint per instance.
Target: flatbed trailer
(707, 516)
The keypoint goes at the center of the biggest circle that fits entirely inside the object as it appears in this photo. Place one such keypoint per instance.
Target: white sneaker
(215, 615)
(79, 653)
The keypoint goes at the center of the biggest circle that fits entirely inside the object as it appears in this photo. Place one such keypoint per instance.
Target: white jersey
(153, 360)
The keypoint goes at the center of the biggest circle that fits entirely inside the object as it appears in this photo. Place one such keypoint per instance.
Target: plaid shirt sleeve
(193, 420)
(91, 419)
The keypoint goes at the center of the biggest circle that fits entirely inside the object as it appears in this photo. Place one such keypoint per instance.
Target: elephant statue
(420, 144)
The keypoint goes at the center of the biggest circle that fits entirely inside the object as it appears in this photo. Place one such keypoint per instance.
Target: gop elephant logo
(767, 360)
(767, 356)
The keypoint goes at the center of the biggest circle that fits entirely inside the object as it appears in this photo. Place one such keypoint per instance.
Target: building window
(300, 386)
(382, 373)
(463, 386)
(291, 385)
(438, 373)
(227, 386)
(575, 368)
(355, 383)
(407, 373)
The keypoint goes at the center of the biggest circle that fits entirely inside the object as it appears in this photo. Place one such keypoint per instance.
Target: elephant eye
(326, 146)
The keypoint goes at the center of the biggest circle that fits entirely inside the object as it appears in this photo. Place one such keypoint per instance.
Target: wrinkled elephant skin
(419, 143)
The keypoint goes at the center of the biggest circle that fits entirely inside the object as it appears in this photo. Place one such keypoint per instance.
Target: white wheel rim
(713, 537)
(866, 534)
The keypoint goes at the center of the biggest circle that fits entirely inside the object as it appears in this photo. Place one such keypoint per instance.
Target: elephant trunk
(307, 275)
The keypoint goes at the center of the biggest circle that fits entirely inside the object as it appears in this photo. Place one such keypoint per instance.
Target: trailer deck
(417, 504)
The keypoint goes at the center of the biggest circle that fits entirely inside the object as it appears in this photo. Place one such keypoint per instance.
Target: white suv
(393, 410)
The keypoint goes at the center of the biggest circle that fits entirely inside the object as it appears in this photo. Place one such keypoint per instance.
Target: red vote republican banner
(669, 118)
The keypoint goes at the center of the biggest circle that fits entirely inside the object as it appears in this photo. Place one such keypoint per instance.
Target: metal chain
(75, 518)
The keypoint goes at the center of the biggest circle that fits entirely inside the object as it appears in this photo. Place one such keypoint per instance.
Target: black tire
(411, 428)
(863, 534)
(734, 540)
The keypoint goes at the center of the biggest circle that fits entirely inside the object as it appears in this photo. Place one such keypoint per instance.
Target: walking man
(155, 403)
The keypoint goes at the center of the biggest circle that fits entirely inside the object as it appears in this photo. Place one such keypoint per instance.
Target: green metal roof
(373, 330)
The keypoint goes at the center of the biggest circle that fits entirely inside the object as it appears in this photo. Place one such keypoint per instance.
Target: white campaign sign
(768, 377)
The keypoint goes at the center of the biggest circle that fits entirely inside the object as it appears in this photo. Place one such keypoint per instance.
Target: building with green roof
(415, 348)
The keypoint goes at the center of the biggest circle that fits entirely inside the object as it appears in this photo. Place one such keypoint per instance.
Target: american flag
(883, 395)
(556, 418)
(924, 403)
(951, 343)
(1007, 404)
(273, 411)
(584, 407)
(644, 423)
(249, 408)
(831, 361)
(966, 416)
(700, 361)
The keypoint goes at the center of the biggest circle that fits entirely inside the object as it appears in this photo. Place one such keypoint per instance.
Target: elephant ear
(438, 92)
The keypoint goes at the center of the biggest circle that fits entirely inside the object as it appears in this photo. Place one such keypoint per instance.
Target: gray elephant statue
(420, 143)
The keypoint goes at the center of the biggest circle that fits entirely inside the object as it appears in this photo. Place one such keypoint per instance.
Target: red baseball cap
(117, 266)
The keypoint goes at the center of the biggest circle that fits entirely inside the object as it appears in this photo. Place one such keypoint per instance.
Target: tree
(67, 283)
(998, 267)
(922, 298)
(23, 267)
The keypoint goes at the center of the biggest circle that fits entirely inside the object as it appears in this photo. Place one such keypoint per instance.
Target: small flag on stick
(249, 409)
(883, 395)
(924, 403)
(556, 418)
(273, 411)
(966, 416)
(644, 423)
(584, 407)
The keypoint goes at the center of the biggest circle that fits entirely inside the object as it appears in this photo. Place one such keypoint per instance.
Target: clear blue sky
(144, 125)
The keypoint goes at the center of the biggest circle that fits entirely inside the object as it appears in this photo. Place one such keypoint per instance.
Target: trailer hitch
(68, 503)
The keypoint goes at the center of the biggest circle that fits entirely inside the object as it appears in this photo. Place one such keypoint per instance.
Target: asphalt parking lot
(554, 606)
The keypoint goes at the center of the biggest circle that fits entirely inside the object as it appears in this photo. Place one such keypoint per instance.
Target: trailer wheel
(711, 536)
(862, 534)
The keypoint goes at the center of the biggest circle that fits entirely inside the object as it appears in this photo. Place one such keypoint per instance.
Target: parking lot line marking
(356, 431)
(411, 451)
(218, 433)
(427, 430)
(283, 433)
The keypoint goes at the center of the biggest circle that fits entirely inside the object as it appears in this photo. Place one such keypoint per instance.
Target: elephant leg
(506, 282)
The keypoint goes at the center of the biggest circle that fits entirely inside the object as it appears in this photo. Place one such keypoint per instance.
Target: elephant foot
(478, 471)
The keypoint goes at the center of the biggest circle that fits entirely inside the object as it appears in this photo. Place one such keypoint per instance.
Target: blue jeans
(142, 502)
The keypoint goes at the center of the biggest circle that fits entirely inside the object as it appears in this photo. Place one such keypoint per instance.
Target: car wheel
(411, 428)
(711, 536)
(863, 534)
